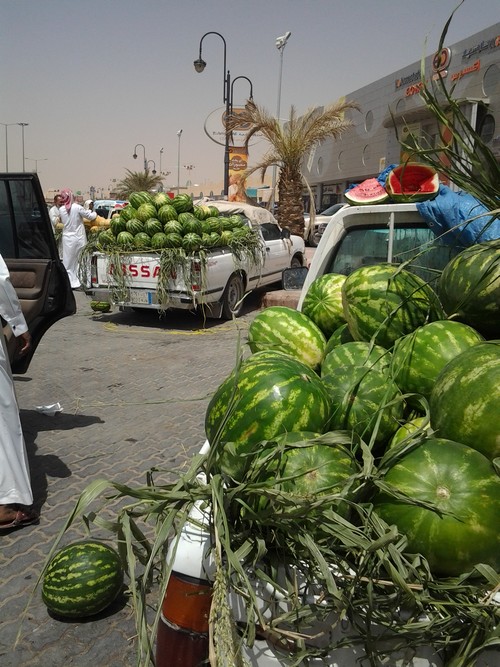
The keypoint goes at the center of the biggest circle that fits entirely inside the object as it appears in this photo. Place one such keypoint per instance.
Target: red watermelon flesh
(412, 182)
(367, 192)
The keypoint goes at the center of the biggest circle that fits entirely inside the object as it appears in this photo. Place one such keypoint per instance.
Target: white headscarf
(86, 206)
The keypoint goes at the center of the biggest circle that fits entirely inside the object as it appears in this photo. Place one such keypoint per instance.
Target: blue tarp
(460, 216)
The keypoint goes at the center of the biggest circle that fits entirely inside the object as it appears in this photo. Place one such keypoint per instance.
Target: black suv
(28, 247)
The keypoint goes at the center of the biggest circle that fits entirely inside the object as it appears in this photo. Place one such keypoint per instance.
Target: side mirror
(285, 233)
(294, 278)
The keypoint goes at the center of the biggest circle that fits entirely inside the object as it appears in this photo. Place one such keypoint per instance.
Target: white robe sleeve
(10, 308)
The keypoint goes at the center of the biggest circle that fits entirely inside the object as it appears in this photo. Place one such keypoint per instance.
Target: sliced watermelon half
(367, 192)
(412, 181)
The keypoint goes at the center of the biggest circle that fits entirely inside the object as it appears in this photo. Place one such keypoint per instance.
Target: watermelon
(117, 225)
(158, 241)
(173, 240)
(214, 211)
(128, 212)
(323, 302)
(146, 211)
(386, 302)
(106, 239)
(125, 239)
(190, 225)
(226, 237)
(340, 336)
(160, 199)
(414, 426)
(226, 224)
(237, 221)
(153, 226)
(138, 198)
(82, 579)
(100, 306)
(172, 227)
(134, 226)
(469, 287)
(465, 400)
(356, 353)
(464, 488)
(290, 331)
(166, 213)
(365, 401)
(142, 240)
(419, 357)
(214, 224)
(201, 212)
(182, 203)
(269, 394)
(368, 192)
(191, 242)
(412, 181)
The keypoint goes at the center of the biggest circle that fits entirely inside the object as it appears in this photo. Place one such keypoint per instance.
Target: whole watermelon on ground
(356, 353)
(287, 330)
(465, 400)
(323, 302)
(464, 488)
(469, 288)
(269, 394)
(82, 579)
(365, 401)
(385, 302)
(420, 356)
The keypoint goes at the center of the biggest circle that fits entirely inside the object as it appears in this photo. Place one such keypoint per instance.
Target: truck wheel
(232, 298)
(314, 239)
(296, 262)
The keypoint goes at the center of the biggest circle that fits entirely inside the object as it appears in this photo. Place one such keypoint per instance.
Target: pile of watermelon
(155, 222)
(407, 372)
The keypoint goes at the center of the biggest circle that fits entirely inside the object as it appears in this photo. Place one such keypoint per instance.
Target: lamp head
(134, 156)
(281, 41)
(153, 172)
(199, 65)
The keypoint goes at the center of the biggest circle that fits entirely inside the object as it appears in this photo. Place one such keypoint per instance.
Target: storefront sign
(475, 67)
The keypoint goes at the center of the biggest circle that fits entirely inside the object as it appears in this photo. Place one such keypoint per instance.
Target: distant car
(321, 220)
(107, 207)
(28, 246)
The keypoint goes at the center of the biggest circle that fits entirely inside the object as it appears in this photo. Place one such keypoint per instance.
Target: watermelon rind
(411, 182)
(356, 353)
(82, 579)
(323, 302)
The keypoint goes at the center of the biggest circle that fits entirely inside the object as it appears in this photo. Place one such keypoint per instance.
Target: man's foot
(17, 516)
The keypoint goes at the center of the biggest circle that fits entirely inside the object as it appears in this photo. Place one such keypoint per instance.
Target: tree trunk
(290, 209)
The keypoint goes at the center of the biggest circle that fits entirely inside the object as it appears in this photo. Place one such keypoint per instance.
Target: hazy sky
(93, 78)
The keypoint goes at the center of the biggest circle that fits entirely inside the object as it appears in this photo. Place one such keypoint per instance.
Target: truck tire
(296, 262)
(232, 303)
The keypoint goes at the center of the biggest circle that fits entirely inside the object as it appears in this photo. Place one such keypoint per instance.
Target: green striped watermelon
(287, 330)
(215, 224)
(160, 199)
(469, 287)
(356, 353)
(414, 427)
(159, 241)
(172, 227)
(166, 213)
(386, 302)
(128, 212)
(82, 579)
(182, 203)
(142, 240)
(465, 400)
(464, 488)
(190, 224)
(134, 226)
(125, 239)
(340, 336)
(323, 302)
(153, 226)
(106, 239)
(269, 394)
(173, 240)
(420, 356)
(201, 212)
(365, 401)
(117, 225)
(138, 198)
(146, 211)
(191, 242)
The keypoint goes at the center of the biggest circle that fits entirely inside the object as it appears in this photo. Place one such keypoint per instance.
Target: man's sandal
(22, 517)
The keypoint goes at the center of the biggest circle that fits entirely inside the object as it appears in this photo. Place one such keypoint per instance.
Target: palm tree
(289, 144)
(137, 181)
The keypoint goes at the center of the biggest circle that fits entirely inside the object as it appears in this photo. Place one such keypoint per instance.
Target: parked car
(29, 249)
(107, 207)
(320, 222)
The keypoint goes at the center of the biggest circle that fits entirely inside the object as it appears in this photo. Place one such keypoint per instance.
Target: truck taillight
(93, 271)
(196, 276)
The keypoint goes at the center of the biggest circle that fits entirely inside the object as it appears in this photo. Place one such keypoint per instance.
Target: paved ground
(134, 390)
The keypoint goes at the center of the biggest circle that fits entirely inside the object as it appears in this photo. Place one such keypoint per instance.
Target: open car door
(29, 249)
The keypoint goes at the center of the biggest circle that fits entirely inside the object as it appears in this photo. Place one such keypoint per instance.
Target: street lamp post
(161, 153)
(154, 166)
(179, 133)
(36, 161)
(280, 45)
(144, 153)
(199, 66)
(23, 125)
(6, 125)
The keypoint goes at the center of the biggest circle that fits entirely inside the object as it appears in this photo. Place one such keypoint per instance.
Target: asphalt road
(133, 390)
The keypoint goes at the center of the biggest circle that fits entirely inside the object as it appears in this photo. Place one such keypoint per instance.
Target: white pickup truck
(355, 235)
(217, 283)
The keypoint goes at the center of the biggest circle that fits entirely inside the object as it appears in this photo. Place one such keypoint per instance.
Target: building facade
(391, 108)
